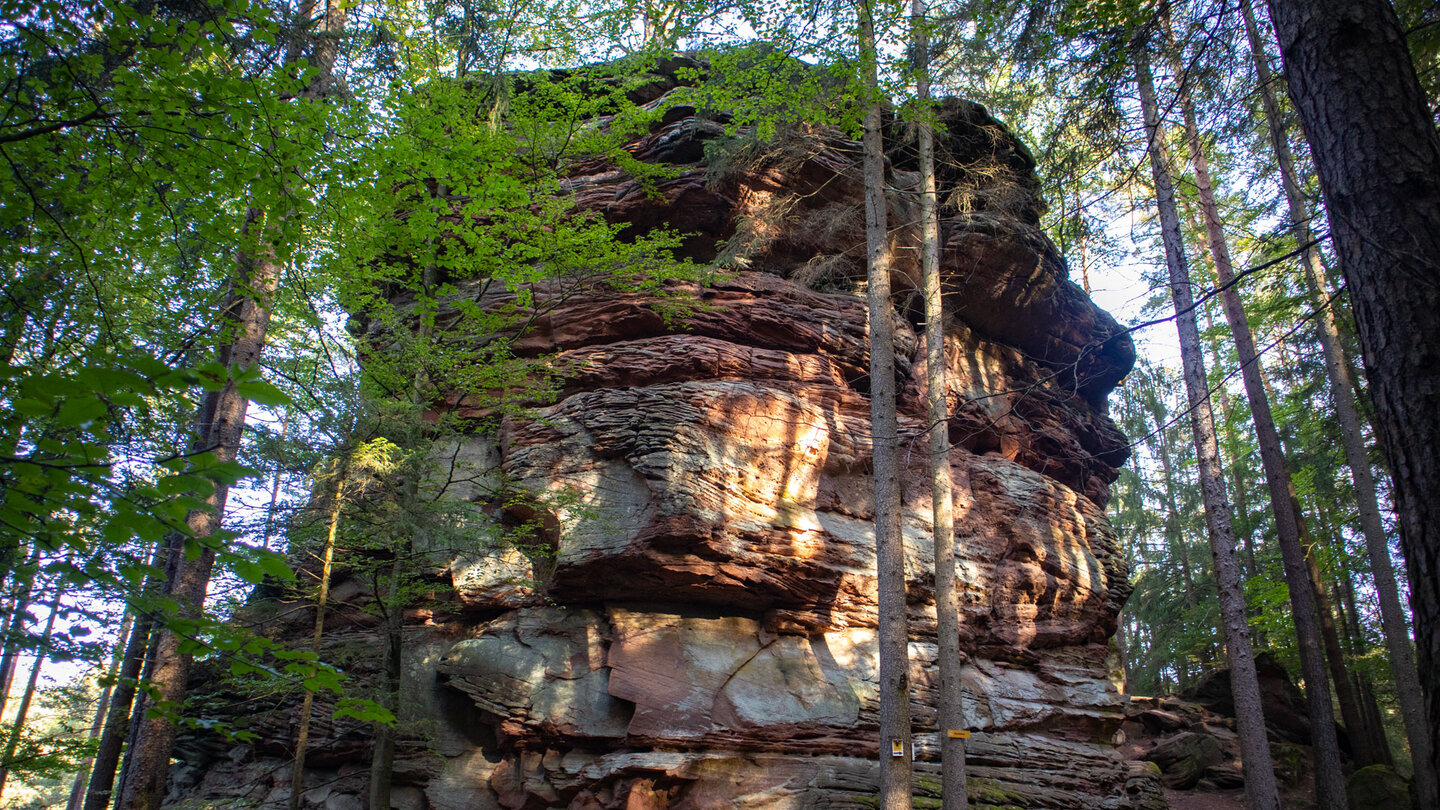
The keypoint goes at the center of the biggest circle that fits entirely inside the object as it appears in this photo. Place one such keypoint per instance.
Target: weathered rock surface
(1190, 742)
(1378, 787)
(702, 635)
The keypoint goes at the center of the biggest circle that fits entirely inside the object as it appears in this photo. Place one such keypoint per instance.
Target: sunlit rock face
(704, 636)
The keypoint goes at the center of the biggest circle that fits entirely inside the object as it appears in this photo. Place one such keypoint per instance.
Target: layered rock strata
(702, 634)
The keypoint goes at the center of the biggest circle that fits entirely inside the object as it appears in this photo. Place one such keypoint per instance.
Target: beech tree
(218, 428)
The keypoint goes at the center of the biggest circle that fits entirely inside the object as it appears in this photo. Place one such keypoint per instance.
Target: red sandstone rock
(704, 638)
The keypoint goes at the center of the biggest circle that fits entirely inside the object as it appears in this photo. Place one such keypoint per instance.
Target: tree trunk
(1329, 772)
(15, 628)
(1378, 156)
(257, 277)
(1351, 710)
(102, 709)
(119, 719)
(1374, 721)
(150, 758)
(269, 531)
(1260, 786)
(895, 744)
(23, 711)
(297, 774)
(382, 759)
(953, 790)
(1172, 519)
(1242, 503)
(1342, 387)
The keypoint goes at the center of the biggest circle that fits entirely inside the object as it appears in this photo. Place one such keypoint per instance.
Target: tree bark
(1351, 710)
(257, 278)
(382, 758)
(895, 743)
(15, 628)
(23, 710)
(1347, 412)
(297, 773)
(1329, 772)
(953, 789)
(1260, 788)
(119, 719)
(102, 709)
(1378, 156)
(150, 758)
(269, 531)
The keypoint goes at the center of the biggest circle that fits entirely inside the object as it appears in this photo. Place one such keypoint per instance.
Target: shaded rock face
(704, 636)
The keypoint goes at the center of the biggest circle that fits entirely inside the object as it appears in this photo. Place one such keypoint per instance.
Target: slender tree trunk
(1347, 412)
(150, 758)
(1172, 519)
(274, 491)
(1352, 620)
(1351, 711)
(23, 711)
(953, 790)
(1329, 772)
(297, 774)
(1374, 722)
(1342, 597)
(118, 719)
(1260, 788)
(15, 629)
(895, 744)
(1242, 502)
(102, 708)
(382, 761)
(257, 277)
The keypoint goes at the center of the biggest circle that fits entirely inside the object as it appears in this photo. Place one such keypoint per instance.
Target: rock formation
(702, 634)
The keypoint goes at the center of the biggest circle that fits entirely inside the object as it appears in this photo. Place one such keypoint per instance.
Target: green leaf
(249, 571)
(263, 393)
(31, 407)
(366, 711)
(275, 565)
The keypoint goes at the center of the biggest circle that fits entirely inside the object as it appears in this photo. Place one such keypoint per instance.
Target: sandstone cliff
(703, 635)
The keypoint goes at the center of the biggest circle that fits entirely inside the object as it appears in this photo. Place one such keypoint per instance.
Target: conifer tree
(895, 744)
(951, 717)
(1352, 436)
(1377, 152)
(1260, 787)
(1289, 523)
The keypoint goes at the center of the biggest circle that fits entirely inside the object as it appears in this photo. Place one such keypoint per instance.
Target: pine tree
(1260, 788)
(895, 744)
(953, 789)
(1374, 142)
(1329, 774)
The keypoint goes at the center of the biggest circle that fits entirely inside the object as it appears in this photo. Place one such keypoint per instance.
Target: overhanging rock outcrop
(703, 635)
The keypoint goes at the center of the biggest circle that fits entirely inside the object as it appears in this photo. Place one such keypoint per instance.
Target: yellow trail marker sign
(957, 734)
